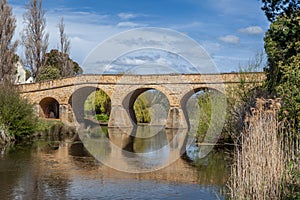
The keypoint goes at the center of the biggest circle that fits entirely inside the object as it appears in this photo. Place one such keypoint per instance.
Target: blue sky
(231, 31)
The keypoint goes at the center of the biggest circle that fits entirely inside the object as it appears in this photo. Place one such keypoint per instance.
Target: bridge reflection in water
(64, 169)
(136, 150)
(119, 152)
(166, 154)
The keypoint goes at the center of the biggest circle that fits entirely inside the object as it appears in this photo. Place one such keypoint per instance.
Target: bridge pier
(176, 119)
(66, 114)
(120, 117)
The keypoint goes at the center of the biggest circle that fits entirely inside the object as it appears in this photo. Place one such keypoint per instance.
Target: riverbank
(44, 128)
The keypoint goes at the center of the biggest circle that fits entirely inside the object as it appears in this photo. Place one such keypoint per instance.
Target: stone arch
(50, 108)
(189, 94)
(78, 98)
(131, 97)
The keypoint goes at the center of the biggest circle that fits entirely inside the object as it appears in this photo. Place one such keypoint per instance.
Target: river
(113, 164)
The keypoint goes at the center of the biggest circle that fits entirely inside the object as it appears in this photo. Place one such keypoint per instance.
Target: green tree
(204, 102)
(16, 115)
(55, 68)
(289, 91)
(275, 8)
(98, 103)
(282, 45)
(282, 42)
(47, 73)
(141, 109)
(102, 103)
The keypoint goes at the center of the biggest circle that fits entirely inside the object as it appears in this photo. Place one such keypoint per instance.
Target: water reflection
(65, 169)
(136, 150)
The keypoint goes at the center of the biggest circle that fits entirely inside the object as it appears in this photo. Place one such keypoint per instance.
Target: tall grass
(291, 149)
(258, 167)
(266, 159)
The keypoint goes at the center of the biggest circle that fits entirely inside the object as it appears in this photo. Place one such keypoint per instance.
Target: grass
(263, 155)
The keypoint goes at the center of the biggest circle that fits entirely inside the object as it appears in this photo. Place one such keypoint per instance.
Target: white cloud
(231, 39)
(126, 16)
(88, 29)
(252, 30)
(129, 24)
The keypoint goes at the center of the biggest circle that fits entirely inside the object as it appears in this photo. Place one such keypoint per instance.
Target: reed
(259, 160)
(291, 149)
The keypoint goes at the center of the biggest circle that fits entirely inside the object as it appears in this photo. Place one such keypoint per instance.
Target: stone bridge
(64, 98)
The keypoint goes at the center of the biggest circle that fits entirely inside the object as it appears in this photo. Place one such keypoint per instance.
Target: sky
(230, 31)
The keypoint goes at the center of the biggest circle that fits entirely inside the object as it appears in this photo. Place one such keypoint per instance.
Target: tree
(275, 8)
(48, 73)
(282, 42)
(17, 118)
(53, 59)
(7, 47)
(34, 38)
(102, 103)
(289, 90)
(282, 45)
(65, 50)
(141, 109)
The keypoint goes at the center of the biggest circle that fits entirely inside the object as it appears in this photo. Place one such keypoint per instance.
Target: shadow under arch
(189, 94)
(50, 107)
(130, 98)
(77, 101)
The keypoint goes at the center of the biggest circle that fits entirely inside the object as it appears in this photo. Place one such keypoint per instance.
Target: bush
(102, 117)
(16, 115)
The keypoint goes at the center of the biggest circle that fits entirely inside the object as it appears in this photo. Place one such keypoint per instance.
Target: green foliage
(282, 45)
(53, 67)
(205, 104)
(45, 125)
(76, 68)
(47, 73)
(16, 115)
(275, 8)
(102, 117)
(282, 42)
(28, 74)
(289, 91)
(98, 102)
(241, 97)
(208, 101)
(89, 104)
(141, 109)
(102, 103)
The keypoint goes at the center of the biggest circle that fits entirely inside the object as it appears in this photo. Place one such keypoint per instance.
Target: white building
(21, 74)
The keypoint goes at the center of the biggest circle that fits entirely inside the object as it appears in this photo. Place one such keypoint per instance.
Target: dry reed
(259, 163)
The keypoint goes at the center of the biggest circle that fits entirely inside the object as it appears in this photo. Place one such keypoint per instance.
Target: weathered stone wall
(120, 88)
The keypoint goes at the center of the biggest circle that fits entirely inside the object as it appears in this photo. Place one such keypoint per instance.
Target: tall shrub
(16, 115)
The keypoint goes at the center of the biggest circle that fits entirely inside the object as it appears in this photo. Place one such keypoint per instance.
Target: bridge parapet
(143, 79)
(124, 89)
